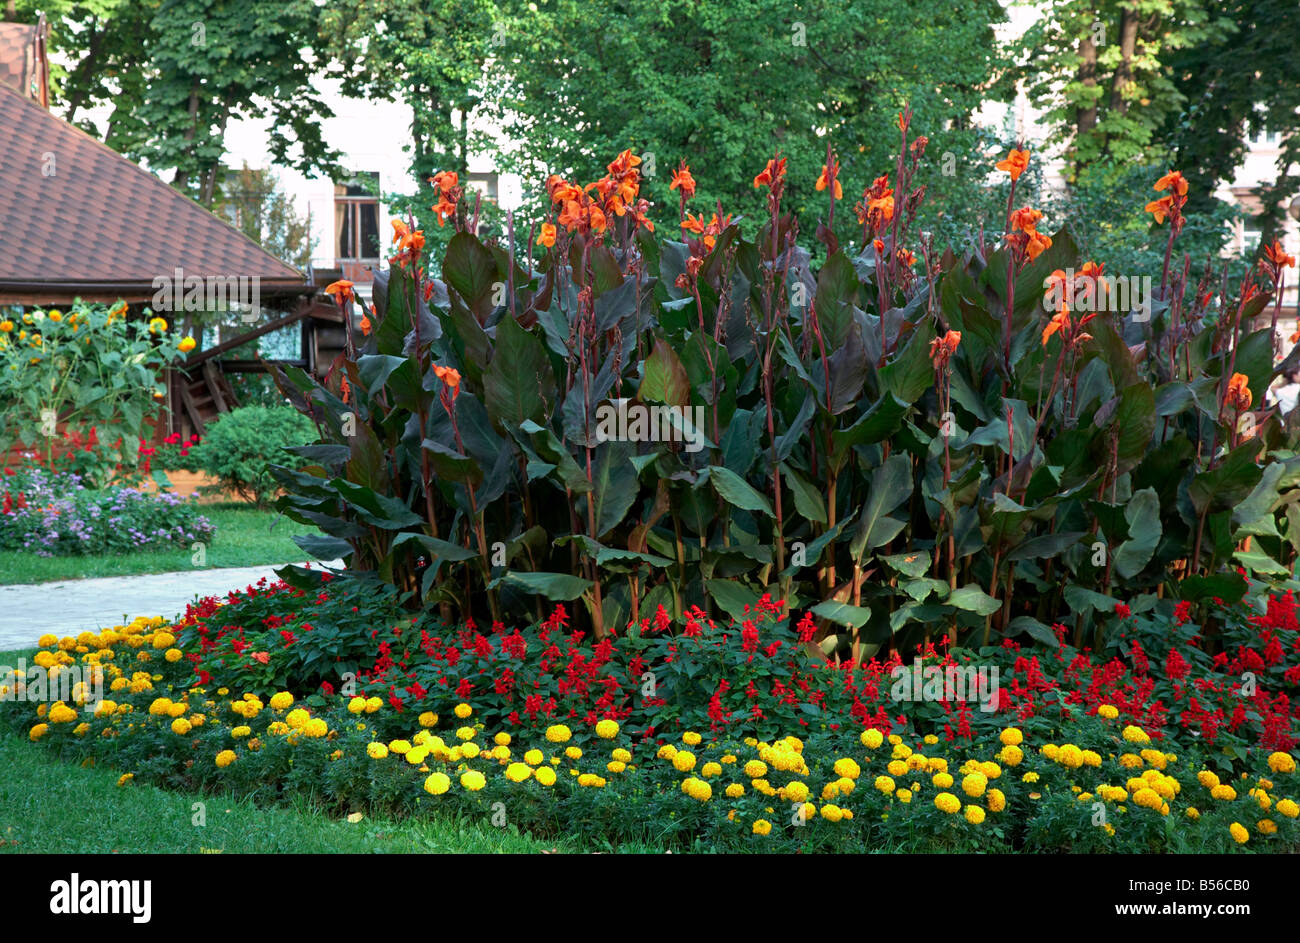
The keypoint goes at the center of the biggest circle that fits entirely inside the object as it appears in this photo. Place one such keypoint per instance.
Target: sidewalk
(69, 607)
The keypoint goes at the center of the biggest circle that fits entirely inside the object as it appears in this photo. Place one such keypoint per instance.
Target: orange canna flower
(1025, 219)
(1161, 208)
(1275, 254)
(823, 182)
(547, 237)
(450, 378)
(341, 290)
(1173, 180)
(942, 348)
(445, 180)
(346, 390)
(1060, 322)
(400, 231)
(682, 180)
(187, 344)
(772, 174)
(1037, 245)
(365, 326)
(1238, 393)
(1015, 163)
(623, 163)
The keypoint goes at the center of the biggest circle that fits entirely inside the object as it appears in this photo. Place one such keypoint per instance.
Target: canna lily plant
(897, 442)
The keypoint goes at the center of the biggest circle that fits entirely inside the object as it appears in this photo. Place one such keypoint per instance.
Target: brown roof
(76, 215)
(16, 64)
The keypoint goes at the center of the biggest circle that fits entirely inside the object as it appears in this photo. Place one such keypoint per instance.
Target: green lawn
(244, 536)
(51, 807)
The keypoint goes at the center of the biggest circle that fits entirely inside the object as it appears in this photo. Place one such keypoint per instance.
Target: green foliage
(827, 466)
(242, 445)
(255, 203)
(88, 372)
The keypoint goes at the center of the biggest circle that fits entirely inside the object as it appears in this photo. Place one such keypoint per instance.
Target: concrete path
(69, 607)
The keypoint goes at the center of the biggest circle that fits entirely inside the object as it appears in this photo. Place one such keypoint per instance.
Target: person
(1287, 395)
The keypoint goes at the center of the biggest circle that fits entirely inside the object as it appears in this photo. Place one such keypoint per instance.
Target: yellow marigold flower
(463, 710)
(795, 791)
(241, 731)
(437, 784)
(1266, 827)
(502, 739)
(173, 655)
(832, 813)
(282, 701)
(180, 726)
(872, 739)
(1192, 813)
(845, 785)
(897, 768)
(947, 802)
(296, 717)
(734, 791)
(762, 827)
(607, 729)
(399, 747)
(1224, 792)
(62, 714)
(847, 768)
(125, 778)
(997, 800)
(684, 761)
(427, 719)
(574, 753)
(691, 738)
(884, 784)
(990, 770)
(942, 780)
(534, 757)
(1029, 778)
(1011, 755)
(317, 728)
(465, 733)
(1070, 756)
(614, 766)
(625, 756)
(38, 731)
(666, 752)
(1239, 833)
(1050, 750)
(709, 770)
(697, 789)
(163, 640)
(1011, 737)
(1109, 711)
(901, 751)
(558, 733)
(974, 814)
(1091, 758)
(225, 758)
(1135, 735)
(936, 764)
(1288, 807)
(518, 772)
(763, 786)
(469, 749)
(356, 705)
(544, 775)
(1281, 762)
(904, 795)
(473, 780)
(1131, 761)
(974, 784)
(373, 704)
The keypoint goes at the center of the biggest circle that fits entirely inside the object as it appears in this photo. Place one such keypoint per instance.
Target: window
(1251, 232)
(484, 183)
(356, 218)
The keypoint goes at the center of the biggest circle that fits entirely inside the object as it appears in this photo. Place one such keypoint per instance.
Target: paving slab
(68, 607)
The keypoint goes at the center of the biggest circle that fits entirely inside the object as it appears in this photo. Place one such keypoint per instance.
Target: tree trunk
(84, 70)
(1128, 31)
(182, 176)
(210, 179)
(1085, 117)
(11, 11)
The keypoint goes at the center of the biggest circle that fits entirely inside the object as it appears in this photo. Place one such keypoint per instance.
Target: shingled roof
(18, 66)
(79, 220)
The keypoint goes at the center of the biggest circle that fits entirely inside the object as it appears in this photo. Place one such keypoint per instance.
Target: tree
(255, 203)
(1102, 67)
(177, 71)
(724, 85)
(1242, 83)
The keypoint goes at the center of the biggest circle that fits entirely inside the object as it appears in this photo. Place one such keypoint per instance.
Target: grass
(244, 536)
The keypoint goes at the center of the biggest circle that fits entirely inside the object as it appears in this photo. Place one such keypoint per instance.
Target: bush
(242, 445)
(85, 376)
(56, 515)
(907, 442)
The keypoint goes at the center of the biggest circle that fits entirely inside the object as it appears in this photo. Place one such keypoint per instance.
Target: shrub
(242, 445)
(905, 441)
(89, 370)
(57, 515)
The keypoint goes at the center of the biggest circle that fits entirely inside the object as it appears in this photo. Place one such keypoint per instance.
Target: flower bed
(52, 514)
(700, 735)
